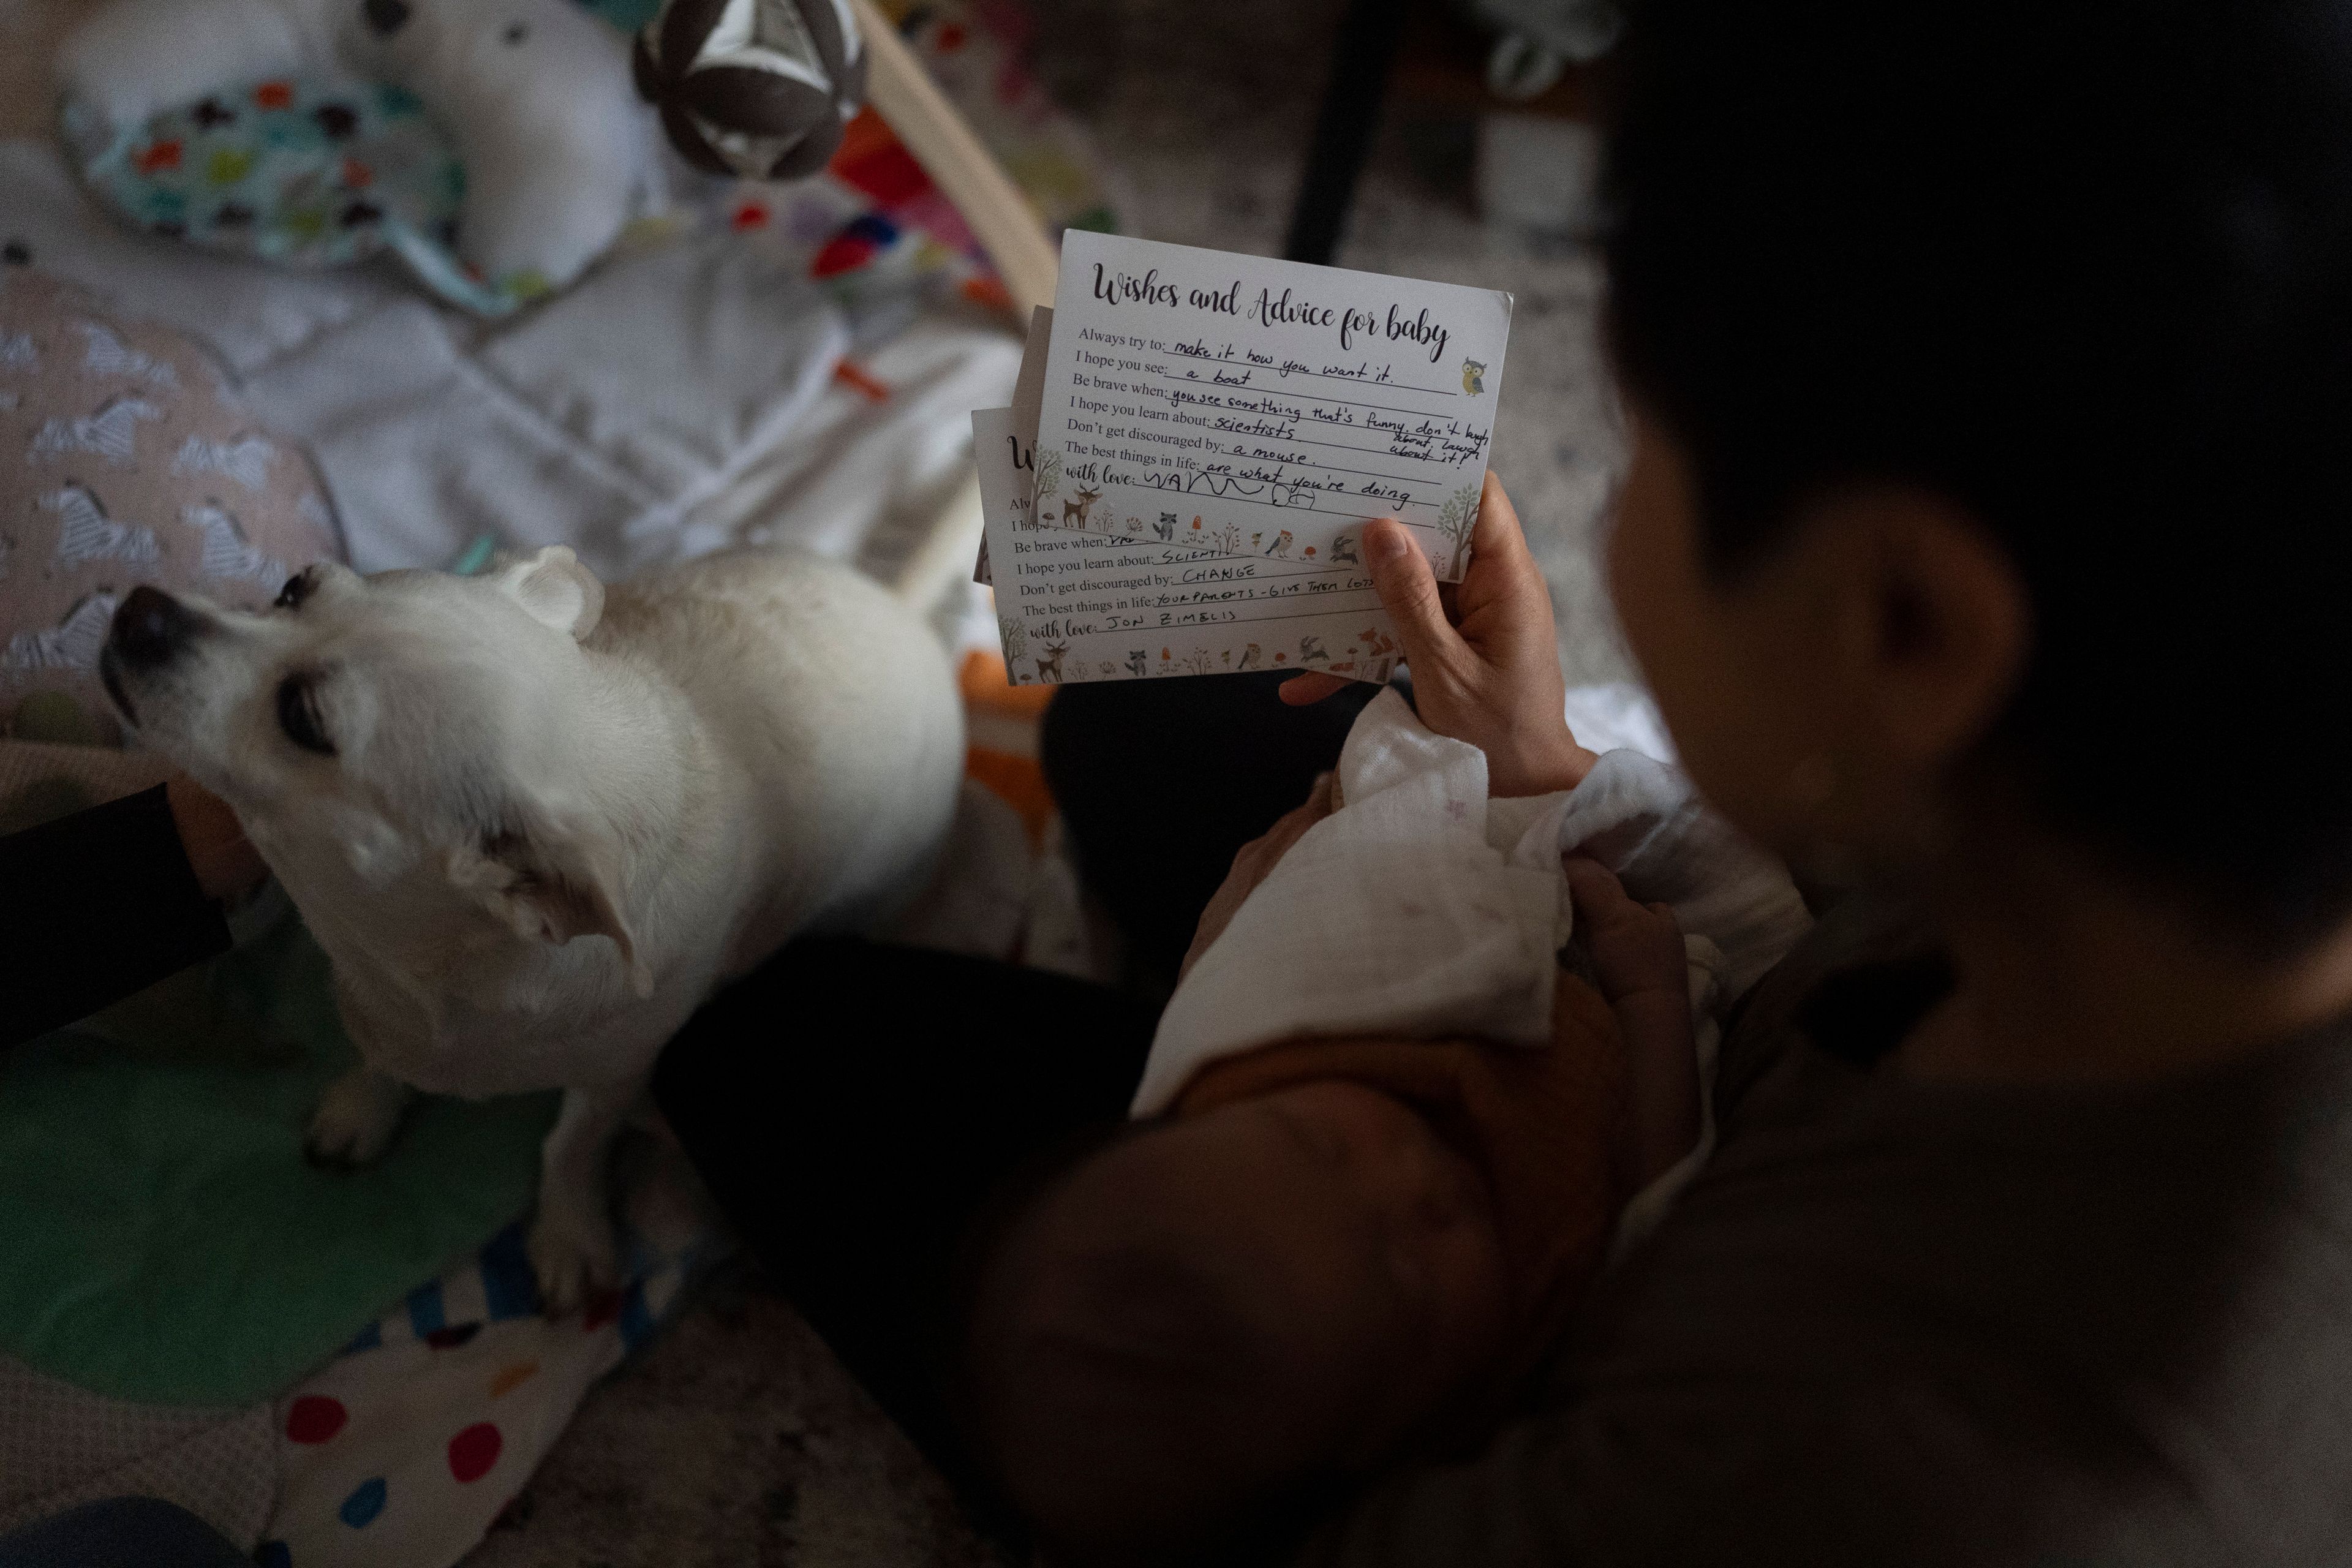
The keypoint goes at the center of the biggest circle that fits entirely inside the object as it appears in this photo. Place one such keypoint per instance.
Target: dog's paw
(574, 1258)
(355, 1119)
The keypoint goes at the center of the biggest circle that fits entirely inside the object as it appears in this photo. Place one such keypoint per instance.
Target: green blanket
(162, 1240)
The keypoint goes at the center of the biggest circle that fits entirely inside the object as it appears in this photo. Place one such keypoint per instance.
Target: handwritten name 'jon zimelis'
(1270, 308)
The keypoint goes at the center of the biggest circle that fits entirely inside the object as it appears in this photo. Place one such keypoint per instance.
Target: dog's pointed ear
(555, 589)
(551, 887)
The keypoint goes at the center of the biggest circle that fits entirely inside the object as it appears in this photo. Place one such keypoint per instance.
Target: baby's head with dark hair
(1208, 1319)
(2085, 270)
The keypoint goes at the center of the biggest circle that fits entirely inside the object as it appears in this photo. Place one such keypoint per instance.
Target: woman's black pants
(860, 1110)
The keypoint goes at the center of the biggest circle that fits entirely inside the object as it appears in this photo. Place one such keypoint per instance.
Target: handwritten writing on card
(1267, 409)
(1074, 606)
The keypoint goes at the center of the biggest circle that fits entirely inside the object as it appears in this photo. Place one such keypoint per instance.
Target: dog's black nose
(151, 627)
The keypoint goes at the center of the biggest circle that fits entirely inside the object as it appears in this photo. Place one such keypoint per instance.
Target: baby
(1319, 1252)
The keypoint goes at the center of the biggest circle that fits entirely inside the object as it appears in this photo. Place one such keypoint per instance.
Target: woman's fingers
(1504, 579)
(1408, 590)
(1595, 893)
(1636, 947)
(1312, 686)
(1497, 532)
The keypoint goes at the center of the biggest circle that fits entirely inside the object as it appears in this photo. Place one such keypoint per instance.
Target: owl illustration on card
(1471, 374)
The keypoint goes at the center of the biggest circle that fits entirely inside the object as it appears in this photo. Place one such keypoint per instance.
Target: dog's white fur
(556, 817)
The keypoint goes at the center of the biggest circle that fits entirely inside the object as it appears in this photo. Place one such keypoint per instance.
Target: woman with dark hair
(1990, 370)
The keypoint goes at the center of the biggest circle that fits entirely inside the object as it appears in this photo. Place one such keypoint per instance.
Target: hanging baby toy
(756, 87)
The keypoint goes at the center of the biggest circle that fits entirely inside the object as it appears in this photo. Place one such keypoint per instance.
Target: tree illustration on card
(1456, 520)
(1049, 482)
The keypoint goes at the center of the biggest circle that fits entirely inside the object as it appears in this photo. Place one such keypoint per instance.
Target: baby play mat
(162, 1237)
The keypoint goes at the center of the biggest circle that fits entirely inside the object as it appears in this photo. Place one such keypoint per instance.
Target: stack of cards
(1195, 444)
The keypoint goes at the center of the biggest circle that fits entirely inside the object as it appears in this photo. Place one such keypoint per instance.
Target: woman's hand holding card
(1484, 654)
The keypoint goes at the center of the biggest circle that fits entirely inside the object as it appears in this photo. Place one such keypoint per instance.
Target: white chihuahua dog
(534, 824)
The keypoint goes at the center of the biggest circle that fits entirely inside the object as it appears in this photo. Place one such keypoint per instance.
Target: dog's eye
(298, 715)
(298, 588)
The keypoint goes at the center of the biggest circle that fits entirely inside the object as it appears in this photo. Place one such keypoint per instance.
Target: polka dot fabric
(315, 1418)
(473, 1451)
(402, 1450)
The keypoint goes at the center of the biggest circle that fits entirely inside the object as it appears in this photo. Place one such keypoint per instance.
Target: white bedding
(682, 397)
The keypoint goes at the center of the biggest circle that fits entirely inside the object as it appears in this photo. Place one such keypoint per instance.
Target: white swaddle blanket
(1422, 908)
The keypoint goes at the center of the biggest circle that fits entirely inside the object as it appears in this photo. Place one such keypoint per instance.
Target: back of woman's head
(2083, 267)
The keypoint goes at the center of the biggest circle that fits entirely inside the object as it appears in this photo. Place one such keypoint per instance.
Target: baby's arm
(1639, 962)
